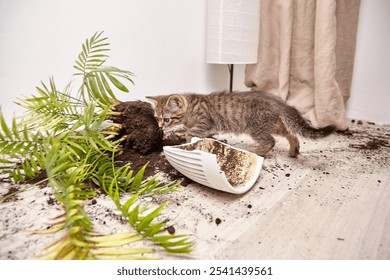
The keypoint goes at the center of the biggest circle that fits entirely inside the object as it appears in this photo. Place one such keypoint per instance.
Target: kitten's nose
(160, 133)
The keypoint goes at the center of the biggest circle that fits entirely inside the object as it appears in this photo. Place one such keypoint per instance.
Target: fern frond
(97, 77)
(51, 110)
(20, 151)
(80, 241)
(75, 222)
(93, 54)
(148, 225)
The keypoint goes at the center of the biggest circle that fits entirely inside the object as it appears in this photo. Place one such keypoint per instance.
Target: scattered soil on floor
(372, 144)
(368, 140)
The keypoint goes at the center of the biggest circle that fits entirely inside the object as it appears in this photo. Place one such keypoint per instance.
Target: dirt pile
(138, 126)
(142, 140)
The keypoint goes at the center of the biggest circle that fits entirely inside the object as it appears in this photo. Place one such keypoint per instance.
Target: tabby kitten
(259, 114)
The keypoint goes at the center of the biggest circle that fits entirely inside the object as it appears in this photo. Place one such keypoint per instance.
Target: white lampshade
(232, 31)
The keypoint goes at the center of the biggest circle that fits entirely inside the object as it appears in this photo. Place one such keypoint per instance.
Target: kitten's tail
(297, 124)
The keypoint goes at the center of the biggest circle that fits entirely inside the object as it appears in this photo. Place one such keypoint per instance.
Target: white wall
(370, 94)
(163, 43)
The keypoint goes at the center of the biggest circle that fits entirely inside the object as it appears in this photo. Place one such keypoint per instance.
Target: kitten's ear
(152, 100)
(177, 103)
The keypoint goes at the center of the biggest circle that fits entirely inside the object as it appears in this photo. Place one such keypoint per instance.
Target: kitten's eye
(166, 120)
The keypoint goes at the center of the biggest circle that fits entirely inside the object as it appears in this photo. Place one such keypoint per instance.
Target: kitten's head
(170, 111)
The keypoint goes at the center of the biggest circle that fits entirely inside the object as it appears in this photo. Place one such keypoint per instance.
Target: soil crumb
(171, 229)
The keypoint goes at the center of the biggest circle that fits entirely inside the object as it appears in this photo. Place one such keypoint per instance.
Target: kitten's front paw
(293, 152)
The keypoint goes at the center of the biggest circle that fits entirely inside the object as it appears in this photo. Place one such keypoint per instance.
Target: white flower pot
(215, 164)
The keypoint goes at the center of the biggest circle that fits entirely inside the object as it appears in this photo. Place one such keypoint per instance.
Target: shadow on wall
(218, 77)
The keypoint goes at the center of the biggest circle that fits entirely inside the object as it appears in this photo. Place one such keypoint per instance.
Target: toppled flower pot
(215, 164)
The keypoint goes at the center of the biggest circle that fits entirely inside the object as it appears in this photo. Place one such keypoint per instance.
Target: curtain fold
(306, 54)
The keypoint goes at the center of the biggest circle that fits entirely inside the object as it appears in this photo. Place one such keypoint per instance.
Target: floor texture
(332, 202)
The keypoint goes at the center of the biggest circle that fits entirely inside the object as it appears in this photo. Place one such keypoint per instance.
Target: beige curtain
(306, 55)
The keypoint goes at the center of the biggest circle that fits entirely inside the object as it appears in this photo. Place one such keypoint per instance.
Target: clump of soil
(139, 127)
(142, 140)
(238, 166)
(171, 229)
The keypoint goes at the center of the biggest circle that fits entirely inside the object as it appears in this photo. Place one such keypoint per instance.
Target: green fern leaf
(117, 83)
(4, 127)
(146, 221)
(136, 183)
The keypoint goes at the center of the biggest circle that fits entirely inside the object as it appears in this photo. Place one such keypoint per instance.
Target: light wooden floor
(332, 202)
